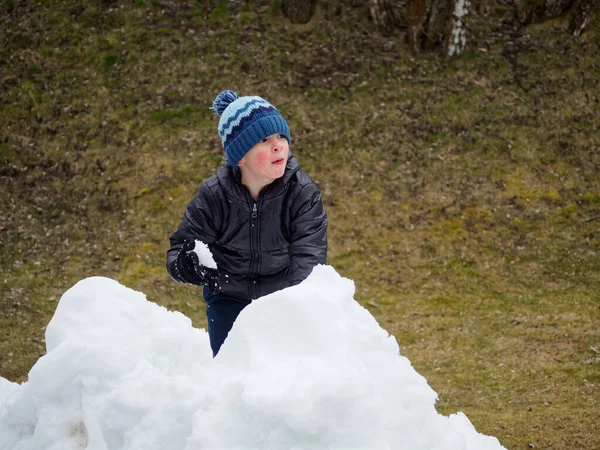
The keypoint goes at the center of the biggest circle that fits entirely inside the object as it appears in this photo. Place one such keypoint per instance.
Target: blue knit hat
(245, 121)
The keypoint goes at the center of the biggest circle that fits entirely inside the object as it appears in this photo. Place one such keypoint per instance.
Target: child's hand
(195, 273)
(212, 281)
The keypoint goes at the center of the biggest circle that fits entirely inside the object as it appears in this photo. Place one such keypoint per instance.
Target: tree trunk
(437, 23)
(415, 17)
(556, 8)
(541, 10)
(456, 41)
(581, 17)
(299, 11)
(385, 14)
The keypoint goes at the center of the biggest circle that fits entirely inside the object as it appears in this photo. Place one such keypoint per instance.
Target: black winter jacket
(259, 246)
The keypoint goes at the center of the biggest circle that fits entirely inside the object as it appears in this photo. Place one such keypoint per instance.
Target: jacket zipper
(253, 251)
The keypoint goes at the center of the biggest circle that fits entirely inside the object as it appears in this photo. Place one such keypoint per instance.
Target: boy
(260, 215)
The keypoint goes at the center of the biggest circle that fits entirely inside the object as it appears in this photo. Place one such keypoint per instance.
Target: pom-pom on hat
(245, 121)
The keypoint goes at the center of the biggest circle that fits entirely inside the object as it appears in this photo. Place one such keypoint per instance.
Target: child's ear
(241, 163)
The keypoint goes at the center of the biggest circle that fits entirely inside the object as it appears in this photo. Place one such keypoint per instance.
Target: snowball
(303, 368)
(205, 257)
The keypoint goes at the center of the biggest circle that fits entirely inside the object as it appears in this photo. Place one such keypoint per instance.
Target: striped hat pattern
(244, 122)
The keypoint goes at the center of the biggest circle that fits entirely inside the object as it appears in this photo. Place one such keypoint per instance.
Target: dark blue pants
(221, 312)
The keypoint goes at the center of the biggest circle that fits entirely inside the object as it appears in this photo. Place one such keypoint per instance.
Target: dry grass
(463, 196)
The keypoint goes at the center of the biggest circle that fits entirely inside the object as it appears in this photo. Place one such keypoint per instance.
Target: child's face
(267, 159)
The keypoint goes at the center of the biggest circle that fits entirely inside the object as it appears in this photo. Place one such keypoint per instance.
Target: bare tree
(541, 10)
(445, 21)
(581, 17)
(427, 21)
(437, 23)
(415, 17)
(456, 41)
(386, 14)
(555, 8)
(434, 23)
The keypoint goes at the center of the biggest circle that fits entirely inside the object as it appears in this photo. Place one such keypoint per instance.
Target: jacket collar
(231, 181)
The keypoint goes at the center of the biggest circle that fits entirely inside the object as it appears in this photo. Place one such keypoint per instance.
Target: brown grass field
(463, 195)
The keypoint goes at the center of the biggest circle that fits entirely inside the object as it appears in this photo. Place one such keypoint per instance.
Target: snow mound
(303, 368)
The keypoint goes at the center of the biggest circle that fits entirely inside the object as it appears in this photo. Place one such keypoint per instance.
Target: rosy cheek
(263, 157)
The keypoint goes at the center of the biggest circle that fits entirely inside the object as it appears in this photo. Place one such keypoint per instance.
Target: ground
(463, 195)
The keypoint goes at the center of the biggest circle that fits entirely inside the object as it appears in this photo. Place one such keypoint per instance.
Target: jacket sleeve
(201, 221)
(308, 234)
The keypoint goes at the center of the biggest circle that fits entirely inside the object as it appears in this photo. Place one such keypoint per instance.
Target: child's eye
(263, 140)
(281, 136)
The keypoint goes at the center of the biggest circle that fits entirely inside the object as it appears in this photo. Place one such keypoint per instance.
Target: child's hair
(244, 122)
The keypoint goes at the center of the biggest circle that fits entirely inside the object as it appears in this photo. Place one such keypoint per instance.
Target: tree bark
(385, 14)
(581, 17)
(556, 8)
(541, 10)
(415, 18)
(456, 41)
(437, 23)
(299, 11)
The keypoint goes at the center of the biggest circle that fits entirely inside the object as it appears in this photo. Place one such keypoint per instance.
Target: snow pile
(303, 368)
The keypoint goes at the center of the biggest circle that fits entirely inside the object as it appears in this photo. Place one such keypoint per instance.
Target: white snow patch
(6, 387)
(303, 368)
(205, 256)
